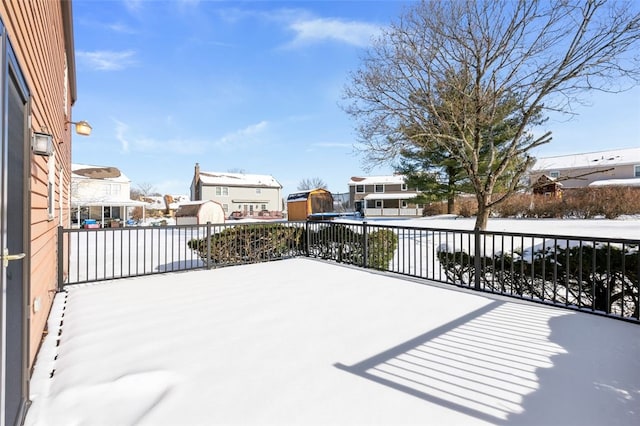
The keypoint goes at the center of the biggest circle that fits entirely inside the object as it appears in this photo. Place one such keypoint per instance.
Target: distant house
(199, 213)
(304, 203)
(240, 194)
(383, 196)
(164, 205)
(101, 193)
(619, 167)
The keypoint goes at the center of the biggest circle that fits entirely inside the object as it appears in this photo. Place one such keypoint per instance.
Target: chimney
(195, 190)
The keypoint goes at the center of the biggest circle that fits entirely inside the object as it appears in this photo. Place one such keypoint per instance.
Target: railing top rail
(628, 241)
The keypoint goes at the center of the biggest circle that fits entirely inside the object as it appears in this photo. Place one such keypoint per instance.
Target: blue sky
(253, 87)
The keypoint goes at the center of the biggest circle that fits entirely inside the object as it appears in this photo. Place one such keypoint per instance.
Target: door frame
(11, 71)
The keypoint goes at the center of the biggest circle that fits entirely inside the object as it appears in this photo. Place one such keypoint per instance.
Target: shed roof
(614, 157)
(303, 195)
(238, 179)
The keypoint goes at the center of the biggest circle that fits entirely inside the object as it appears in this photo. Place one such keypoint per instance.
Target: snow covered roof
(616, 182)
(157, 202)
(391, 196)
(373, 180)
(87, 171)
(592, 159)
(238, 179)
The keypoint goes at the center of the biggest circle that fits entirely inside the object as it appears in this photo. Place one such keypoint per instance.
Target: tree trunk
(483, 217)
(451, 190)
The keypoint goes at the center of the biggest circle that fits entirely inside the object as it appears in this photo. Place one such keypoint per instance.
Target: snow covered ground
(305, 342)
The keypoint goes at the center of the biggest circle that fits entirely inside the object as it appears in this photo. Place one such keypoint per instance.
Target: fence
(598, 275)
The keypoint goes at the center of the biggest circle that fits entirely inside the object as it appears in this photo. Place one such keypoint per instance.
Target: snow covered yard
(305, 342)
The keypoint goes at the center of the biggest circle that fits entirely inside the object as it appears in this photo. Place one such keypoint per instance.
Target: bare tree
(144, 189)
(312, 183)
(470, 58)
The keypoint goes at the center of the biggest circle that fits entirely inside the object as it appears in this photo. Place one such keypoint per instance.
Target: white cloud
(107, 60)
(133, 5)
(249, 134)
(121, 129)
(133, 143)
(333, 145)
(310, 31)
(121, 28)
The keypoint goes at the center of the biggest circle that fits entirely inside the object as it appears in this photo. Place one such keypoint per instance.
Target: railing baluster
(95, 254)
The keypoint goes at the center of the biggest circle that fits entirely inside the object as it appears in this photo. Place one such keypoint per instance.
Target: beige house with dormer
(239, 194)
(620, 167)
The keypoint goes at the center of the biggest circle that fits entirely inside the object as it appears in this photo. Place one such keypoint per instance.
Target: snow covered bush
(603, 277)
(251, 244)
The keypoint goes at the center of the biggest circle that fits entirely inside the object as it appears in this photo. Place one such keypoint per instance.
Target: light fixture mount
(42, 144)
(83, 128)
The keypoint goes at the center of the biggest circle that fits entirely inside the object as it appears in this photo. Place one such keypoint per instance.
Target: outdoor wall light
(42, 144)
(82, 127)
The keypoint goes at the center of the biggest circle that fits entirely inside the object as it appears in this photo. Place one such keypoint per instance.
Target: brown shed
(302, 204)
(548, 186)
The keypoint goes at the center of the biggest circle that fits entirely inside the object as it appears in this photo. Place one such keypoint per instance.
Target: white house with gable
(101, 193)
(612, 167)
(240, 194)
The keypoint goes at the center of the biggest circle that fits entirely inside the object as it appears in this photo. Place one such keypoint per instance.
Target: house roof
(157, 202)
(372, 180)
(238, 179)
(615, 157)
(391, 196)
(87, 171)
(616, 182)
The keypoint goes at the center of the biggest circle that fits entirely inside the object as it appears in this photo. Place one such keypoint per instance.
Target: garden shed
(302, 204)
(199, 213)
(548, 186)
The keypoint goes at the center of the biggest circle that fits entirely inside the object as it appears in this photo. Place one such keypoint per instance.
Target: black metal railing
(598, 275)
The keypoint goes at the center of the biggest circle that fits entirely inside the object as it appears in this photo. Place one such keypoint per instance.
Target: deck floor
(306, 342)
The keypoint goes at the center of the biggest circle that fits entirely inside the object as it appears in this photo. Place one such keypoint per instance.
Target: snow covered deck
(305, 342)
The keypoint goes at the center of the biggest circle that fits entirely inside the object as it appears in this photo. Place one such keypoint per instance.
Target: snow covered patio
(306, 342)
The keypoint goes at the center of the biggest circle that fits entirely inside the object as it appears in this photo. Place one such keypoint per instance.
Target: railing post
(477, 264)
(365, 245)
(307, 236)
(208, 245)
(60, 258)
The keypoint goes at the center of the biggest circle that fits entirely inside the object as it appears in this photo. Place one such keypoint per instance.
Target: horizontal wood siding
(37, 34)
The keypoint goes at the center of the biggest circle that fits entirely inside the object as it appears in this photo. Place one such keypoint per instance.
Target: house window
(111, 189)
(225, 207)
(60, 192)
(258, 191)
(404, 204)
(222, 191)
(359, 189)
(403, 187)
(264, 207)
(636, 171)
(51, 193)
(378, 204)
(379, 188)
(554, 174)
